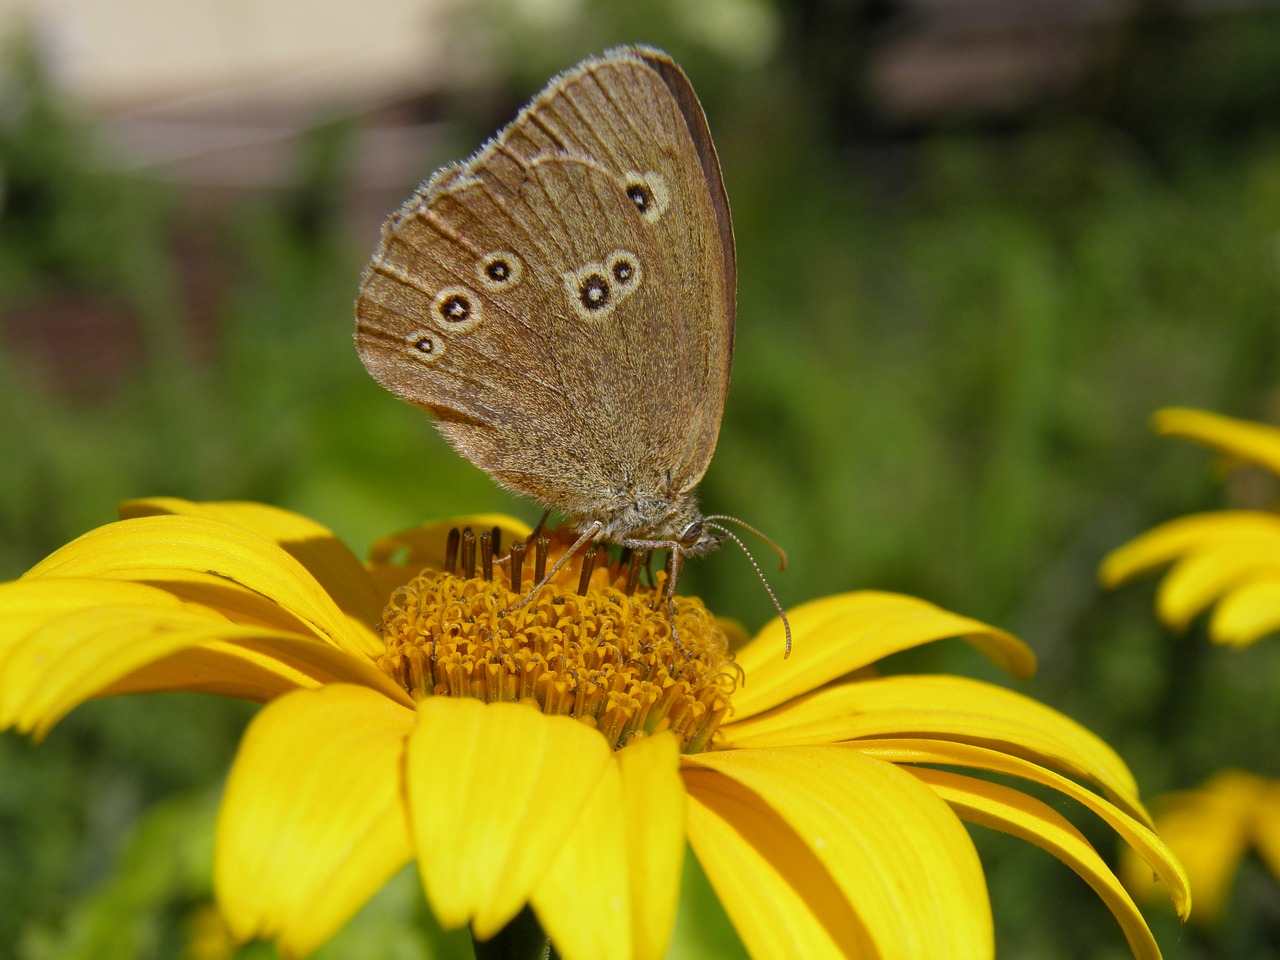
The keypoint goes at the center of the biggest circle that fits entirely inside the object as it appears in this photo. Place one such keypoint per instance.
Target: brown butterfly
(562, 303)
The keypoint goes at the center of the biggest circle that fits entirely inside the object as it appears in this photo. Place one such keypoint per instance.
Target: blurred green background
(979, 243)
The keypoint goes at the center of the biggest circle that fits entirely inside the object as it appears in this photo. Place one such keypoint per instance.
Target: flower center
(592, 643)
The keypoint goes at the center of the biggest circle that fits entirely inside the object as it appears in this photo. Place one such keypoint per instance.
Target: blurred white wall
(117, 54)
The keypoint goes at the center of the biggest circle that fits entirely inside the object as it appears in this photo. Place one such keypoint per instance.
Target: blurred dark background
(979, 242)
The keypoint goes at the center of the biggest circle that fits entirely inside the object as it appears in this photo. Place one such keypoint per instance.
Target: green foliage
(949, 347)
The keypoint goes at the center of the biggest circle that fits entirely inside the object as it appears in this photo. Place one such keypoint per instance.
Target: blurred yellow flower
(1227, 557)
(1211, 829)
(560, 754)
(1230, 558)
(208, 936)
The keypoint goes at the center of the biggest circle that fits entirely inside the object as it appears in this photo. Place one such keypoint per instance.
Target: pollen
(593, 643)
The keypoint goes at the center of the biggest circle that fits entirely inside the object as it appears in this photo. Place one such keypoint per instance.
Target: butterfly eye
(458, 307)
(625, 268)
(594, 292)
(640, 195)
(624, 271)
(648, 192)
(595, 289)
(499, 270)
(426, 345)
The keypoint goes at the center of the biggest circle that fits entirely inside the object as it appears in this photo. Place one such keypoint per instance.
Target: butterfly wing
(563, 303)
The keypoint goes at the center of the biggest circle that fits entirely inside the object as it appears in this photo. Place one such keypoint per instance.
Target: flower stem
(521, 939)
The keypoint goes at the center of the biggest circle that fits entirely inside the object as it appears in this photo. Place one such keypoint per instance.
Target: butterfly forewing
(562, 303)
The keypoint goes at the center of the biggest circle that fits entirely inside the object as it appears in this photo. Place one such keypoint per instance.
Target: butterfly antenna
(782, 554)
(786, 624)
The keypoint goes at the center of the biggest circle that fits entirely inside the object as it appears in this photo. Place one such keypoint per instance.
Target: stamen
(605, 657)
(739, 675)
(516, 576)
(496, 536)
(588, 565)
(451, 551)
(564, 558)
(486, 554)
(635, 563)
(468, 554)
(540, 557)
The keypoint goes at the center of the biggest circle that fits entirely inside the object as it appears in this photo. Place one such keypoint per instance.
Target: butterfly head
(659, 520)
(687, 533)
(697, 538)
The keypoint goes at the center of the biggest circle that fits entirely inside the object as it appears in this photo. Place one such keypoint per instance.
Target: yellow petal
(653, 819)
(1255, 442)
(1199, 579)
(1169, 541)
(236, 603)
(68, 659)
(781, 899)
(315, 546)
(313, 821)
(990, 805)
(734, 632)
(613, 890)
(837, 635)
(27, 604)
(584, 901)
(1153, 851)
(494, 790)
(109, 649)
(253, 664)
(1210, 829)
(224, 670)
(944, 708)
(163, 547)
(821, 852)
(1247, 613)
(398, 558)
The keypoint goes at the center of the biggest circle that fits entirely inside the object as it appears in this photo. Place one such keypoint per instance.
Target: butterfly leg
(591, 533)
(675, 564)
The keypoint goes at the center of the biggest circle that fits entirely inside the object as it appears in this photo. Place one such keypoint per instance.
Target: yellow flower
(1227, 557)
(559, 754)
(1212, 828)
(1230, 558)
